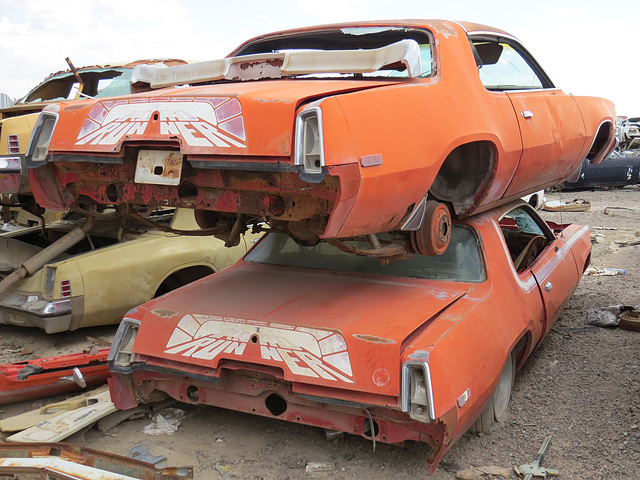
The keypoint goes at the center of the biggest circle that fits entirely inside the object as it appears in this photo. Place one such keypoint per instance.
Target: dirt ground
(582, 387)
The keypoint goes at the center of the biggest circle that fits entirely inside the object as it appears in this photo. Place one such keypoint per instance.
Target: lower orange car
(421, 349)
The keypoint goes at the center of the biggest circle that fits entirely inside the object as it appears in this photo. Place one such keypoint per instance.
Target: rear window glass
(462, 261)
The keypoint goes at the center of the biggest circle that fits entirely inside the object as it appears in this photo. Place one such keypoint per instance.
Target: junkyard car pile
(617, 170)
(401, 285)
(18, 120)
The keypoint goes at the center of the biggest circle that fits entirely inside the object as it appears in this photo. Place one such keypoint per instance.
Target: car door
(537, 252)
(557, 276)
(552, 131)
(550, 123)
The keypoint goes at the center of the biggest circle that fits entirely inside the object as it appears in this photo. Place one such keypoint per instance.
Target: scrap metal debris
(30, 379)
(628, 244)
(606, 271)
(619, 211)
(534, 469)
(631, 320)
(67, 423)
(576, 205)
(39, 415)
(67, 461)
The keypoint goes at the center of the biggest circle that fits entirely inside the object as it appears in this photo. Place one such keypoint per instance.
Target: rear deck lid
(315, 326)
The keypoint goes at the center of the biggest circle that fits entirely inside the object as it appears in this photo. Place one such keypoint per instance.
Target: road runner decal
(200, 122)
(303, 351)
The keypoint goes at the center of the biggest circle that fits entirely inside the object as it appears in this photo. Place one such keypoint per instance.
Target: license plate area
(159, 167)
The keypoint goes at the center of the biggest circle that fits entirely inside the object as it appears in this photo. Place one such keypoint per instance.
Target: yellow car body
(99, 285)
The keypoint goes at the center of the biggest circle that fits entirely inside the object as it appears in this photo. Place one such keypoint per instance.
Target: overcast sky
(587, 47)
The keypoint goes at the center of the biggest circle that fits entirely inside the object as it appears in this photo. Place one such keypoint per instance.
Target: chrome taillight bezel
(309, 144)
(417, 391)
(38, 147)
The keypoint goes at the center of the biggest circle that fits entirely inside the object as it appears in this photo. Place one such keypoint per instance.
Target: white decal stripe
(195, 121)
(206, 337)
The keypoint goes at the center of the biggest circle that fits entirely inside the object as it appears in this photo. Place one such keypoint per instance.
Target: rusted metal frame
(249, 395)
(78, 77)
(271, 375)
(235, 179)
(16, 458)
(253, 193)
(299, 411)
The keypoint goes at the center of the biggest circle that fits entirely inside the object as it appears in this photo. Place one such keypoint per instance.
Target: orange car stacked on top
(330, 132)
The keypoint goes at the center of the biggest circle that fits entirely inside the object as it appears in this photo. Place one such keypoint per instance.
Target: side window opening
(525, 238)
(503, 67)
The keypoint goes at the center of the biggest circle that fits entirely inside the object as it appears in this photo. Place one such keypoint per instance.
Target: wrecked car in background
(419, 349)
(617, 170)
(536, 200)
(18, 120)
(330, 132)
(629, 134)
(116, 266)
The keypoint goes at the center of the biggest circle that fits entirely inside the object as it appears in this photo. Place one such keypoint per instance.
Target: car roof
(437, 25)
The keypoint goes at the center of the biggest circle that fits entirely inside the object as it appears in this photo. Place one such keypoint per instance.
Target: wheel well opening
(605, 132)
(182, 277)
(465, 176)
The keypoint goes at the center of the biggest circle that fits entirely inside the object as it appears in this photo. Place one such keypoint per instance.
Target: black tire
(498, 406)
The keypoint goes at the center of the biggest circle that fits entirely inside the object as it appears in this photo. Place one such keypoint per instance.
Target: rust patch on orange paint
(372, 339)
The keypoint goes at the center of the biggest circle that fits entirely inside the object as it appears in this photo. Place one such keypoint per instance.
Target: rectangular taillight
(65, 288)
(14, 144)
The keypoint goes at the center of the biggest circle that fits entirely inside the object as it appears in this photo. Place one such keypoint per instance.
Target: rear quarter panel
(468, 344)
(596, 112)
(21, 126)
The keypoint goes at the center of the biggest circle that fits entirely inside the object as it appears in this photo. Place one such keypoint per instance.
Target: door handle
(547, 286)
(527, 114)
